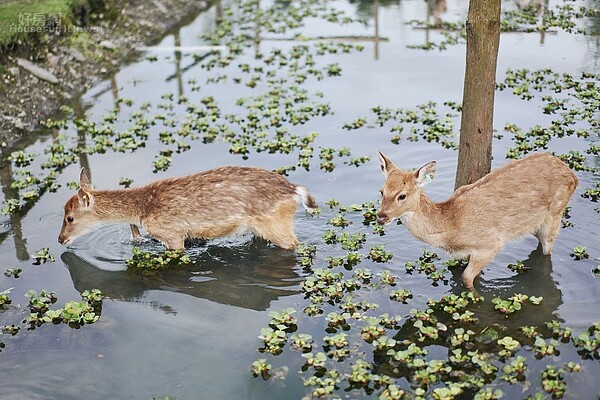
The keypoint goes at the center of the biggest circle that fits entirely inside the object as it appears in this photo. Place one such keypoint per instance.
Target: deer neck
(428, 222)
(118, 205)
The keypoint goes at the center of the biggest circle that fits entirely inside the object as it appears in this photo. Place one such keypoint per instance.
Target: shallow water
(192, 333)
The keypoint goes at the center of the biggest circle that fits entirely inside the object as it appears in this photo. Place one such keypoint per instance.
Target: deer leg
(135, 232)
(280, 233)
(169, 239)
(477, 261)
(278, 229)
(547, 234)
(174, 243)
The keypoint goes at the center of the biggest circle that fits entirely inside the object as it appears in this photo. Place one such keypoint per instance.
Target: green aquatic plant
(302, 342)
(553, 382)
(27, 181)
(514, 371)
(356, 124)
(125, 182)
(42, 256)
(74, 313)
(261, 368)
(426, 264)
(11, 206)
(592, 193)
(4, 298)
(352, 242)
(40, 303)
(337, 321)
(283, 318)
(338, 341)
(559, 332)
(545, 348)
(461, 337)
(323, 386)
(21, 158)
(401, 295)
(386, 278)
(93, 296)
(373, 330)
(149, 262)
(510, 305)
(384, 343)
(509, 345)
(316, 361)
(339, 221)
(429, 331)
(11, 329)
(313, 310)
(306, 254)
(273, 339)
(14, 272)
(579, 253)
(588, 342)
(518, 267)
(392, 392)
(378, 253)
(535, 300)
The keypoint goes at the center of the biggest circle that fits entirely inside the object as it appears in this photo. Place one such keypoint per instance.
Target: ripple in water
(52, 220)
(109, 247)
(106, 248)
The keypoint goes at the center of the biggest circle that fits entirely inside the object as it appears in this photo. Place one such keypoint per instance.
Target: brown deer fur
(523, 197)
(210, 204)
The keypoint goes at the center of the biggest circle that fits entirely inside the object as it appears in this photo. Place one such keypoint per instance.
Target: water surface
(192, 333)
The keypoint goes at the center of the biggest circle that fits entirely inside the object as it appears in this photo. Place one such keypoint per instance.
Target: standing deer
(215, 203)
(523, 197)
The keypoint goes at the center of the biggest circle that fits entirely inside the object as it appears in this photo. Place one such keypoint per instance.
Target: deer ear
(385, 164)
(86, 200)
(425, 174)
(84, 180)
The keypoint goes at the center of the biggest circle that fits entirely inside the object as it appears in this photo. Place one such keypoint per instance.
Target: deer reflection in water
(247, 276)
(490, 325)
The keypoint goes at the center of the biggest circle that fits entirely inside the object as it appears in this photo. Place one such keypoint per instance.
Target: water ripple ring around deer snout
(106, 247)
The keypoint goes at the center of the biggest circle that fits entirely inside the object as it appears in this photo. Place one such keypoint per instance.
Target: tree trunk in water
(476, 127)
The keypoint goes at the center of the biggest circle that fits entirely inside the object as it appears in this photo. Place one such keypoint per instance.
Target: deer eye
(70, 219)
(401, 197)
(381, 191)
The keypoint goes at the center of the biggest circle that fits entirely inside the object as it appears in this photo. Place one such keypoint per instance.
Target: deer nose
(60, 240)
(382, 219)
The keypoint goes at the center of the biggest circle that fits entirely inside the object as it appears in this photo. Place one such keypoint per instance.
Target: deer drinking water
(215, 203)
(523, 197)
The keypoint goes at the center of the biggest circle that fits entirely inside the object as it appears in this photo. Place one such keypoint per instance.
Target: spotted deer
(210, 204)
(526, 196)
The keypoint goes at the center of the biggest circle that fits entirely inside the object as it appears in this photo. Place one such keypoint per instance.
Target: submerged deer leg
(477, 262)
(547, 234)
(279, 228)
(169, 239)
(280, 233)
(135, 232)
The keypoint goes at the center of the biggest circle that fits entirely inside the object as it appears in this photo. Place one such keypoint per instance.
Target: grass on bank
(21, 18)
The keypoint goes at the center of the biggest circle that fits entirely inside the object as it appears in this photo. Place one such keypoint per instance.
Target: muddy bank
(38, 78)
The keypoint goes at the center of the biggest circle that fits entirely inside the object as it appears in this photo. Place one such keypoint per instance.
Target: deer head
(79, 215)
(401, 192)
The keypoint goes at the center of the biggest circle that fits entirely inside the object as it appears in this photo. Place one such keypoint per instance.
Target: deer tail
(304, 197)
